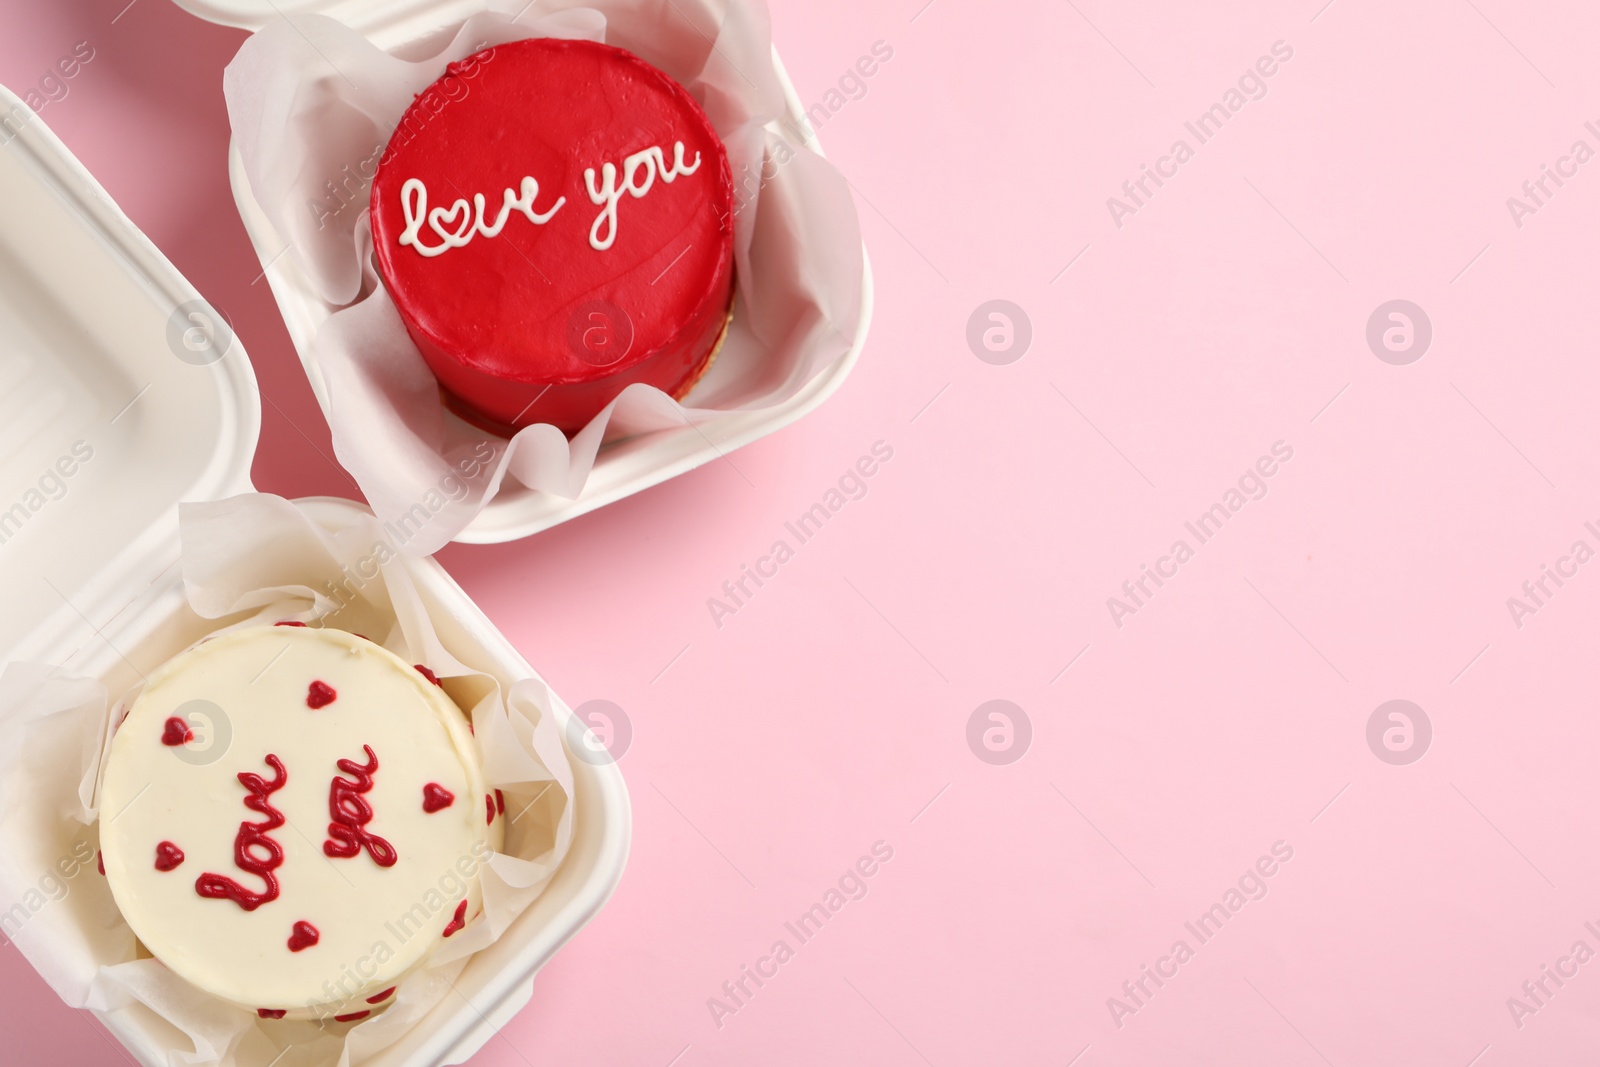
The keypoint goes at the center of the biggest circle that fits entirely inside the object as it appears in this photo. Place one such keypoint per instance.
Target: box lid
(122, 393)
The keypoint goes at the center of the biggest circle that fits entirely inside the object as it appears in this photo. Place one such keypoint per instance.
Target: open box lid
(121, 394)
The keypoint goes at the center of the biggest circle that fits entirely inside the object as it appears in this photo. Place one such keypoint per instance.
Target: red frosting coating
(535, 324)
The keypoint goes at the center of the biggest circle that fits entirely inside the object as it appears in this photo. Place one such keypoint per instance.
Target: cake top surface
(293, 817)
(544, 189)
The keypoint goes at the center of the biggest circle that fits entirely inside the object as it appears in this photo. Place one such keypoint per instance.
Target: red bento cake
(554, 221)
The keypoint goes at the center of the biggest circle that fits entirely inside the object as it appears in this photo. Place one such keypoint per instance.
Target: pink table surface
(1174, 341)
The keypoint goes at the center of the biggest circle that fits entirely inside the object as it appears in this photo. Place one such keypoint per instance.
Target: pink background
(1228, 714)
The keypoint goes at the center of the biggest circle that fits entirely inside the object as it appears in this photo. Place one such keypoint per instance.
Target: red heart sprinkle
(177, 733)
(381, 997)
(320, 695)
(436, 797)
(169, 857)
(459, 921)
(271, 1013)
(429, 675)
(352, 1017)
(305, 935)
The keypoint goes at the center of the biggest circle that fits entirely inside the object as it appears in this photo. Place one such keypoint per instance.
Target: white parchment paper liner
(312, 102)
(257, 559)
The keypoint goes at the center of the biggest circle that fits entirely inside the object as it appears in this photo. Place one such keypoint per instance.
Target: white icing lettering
(652, 162)
(461, 222)
(458, 224)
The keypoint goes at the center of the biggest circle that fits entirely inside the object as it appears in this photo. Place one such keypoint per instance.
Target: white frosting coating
(373, 922)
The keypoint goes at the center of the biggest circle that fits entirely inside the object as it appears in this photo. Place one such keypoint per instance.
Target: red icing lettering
(303, 936)
(429, 675)
(436, 797)
(352, 1017)
(381, 997)
(169, 857)
(320, 695)
(271, 1013)
(348, 833)
(459, 921)
(253, 851)
(177, 733)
